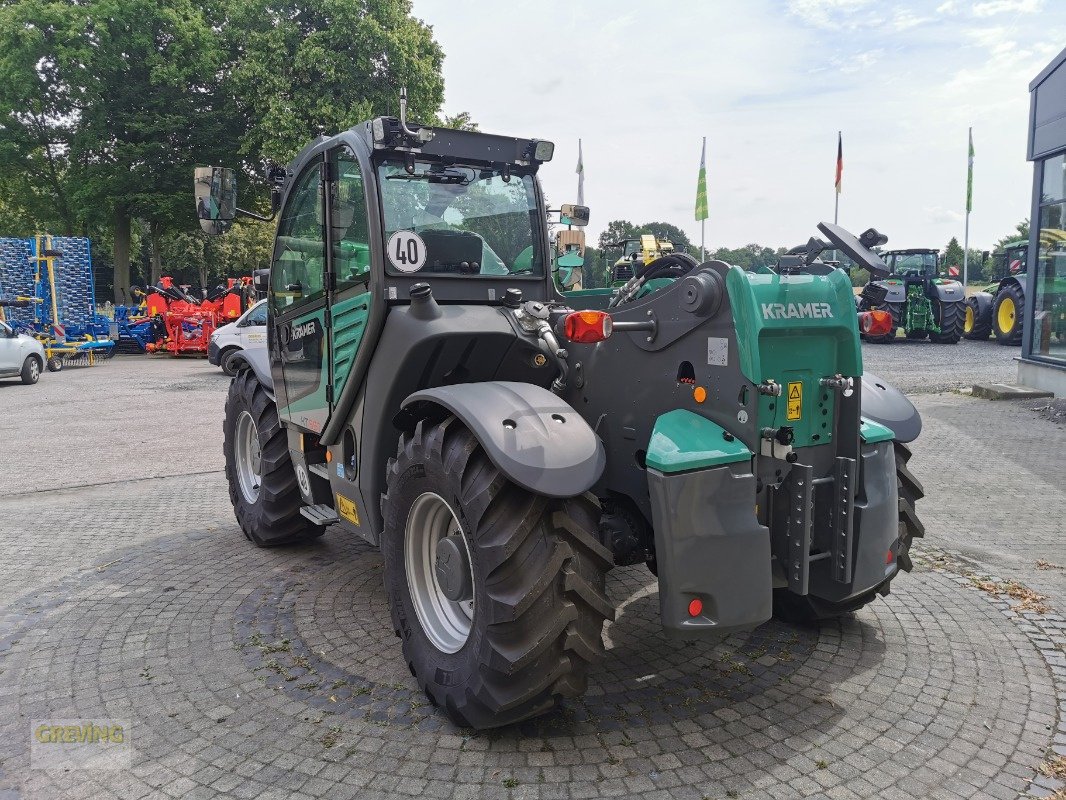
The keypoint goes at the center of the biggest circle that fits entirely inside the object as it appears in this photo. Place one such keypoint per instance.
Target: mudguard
(888, 406)
(896, 291)
(984, 306)
(539, 441)
(258, 359)
(949, 292)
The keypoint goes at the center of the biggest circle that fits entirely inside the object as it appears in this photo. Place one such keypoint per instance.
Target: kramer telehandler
(427, 387)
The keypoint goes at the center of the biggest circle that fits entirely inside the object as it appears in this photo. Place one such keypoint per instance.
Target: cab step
(320, 514)
(319, 469)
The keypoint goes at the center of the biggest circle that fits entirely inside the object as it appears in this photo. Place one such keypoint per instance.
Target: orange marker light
(699, 394)
(889, 557)
(329, 456)
(695, 607)
(587, 327)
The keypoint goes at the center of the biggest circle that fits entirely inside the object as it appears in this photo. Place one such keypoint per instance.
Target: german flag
(840, 161)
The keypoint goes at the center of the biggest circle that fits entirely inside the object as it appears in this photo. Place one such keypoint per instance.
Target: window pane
(258, 315)
(300, 253)
(472, 221)
(351, 233)
(1054, 179)
(1049, 296)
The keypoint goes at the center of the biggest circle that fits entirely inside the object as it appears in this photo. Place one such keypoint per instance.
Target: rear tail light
(875, 323)
(587, 327)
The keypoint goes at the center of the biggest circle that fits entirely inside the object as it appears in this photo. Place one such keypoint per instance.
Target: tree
(664, 230)
(1021, 231)
(953, 255)
(616, 231)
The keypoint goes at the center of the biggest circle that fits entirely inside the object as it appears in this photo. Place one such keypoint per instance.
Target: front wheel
(31, 370)
(496, 593)
(229, 366)
(262, 481)
(807, 609)
(950, 317)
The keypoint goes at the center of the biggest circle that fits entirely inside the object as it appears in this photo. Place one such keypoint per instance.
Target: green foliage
(1021, 231)
(592, 272)
(616, 231)
(952, 256)
(751, 257)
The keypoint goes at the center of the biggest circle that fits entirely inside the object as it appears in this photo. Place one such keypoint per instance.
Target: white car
(21, 356)
(248, 330)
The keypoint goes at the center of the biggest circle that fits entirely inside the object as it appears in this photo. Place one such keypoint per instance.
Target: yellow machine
(644, 249)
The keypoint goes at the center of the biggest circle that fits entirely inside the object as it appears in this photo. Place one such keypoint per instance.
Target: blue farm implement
(49, 281)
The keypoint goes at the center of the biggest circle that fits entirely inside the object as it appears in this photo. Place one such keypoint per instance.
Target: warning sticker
(795, 400)
(346, 508)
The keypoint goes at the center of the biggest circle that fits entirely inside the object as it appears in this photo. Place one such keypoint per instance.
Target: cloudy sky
(769, 83)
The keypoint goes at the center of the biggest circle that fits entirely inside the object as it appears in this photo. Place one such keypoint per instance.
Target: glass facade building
(1044, 342)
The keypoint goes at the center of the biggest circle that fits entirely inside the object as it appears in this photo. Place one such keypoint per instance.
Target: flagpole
(703, 222)
(969, 205)
(701, 199)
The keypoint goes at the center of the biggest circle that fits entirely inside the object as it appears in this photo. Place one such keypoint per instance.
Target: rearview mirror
(261, 280)
(570, 214)
(215, 189)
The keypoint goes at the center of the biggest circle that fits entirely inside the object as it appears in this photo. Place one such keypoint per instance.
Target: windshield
(459, 220)
(912, 262)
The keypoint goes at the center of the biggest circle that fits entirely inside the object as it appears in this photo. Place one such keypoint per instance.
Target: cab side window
(258, 315)
(297, 275)
(351, 235)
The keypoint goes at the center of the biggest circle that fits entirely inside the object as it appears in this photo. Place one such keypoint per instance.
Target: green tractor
(907, 284)
(634, 254)
(427, 387)
(1000, 307)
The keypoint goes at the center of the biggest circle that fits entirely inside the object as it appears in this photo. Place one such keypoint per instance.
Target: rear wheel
(807, 609)
(262, 481)
(497, 593)
(31, 370)
(896, 310)
(950, 317)
(975, 325)
(1007, 312)
(55, 363)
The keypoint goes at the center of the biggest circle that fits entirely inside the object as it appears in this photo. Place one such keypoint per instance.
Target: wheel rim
(967, 324)
(1006, 315)
(446, 622)
(248, 457)
(35, 370)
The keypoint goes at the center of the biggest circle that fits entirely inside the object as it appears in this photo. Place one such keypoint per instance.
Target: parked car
(21, 356)
(248, 330)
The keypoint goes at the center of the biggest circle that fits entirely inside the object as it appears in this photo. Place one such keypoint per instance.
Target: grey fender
(258, 360)
(884, 403)
(950, 292)
(984, 304)
(536, 439)
(897, 292)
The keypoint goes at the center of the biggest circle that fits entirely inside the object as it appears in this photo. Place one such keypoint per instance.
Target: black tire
(55, 363)
(224, 361)
(31, 370)
(806, 609)
(538, 571)
(274, 517)
(1012, 334)
(949, 318)
(896, 310)
(976, 326)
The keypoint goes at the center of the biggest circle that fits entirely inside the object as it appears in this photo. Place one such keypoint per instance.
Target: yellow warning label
(795, 400)
(346, 508)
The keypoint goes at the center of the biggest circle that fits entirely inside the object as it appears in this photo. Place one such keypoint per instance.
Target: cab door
(320, 299)
(298, 305)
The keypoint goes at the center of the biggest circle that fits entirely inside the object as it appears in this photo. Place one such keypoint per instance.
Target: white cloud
(948, 7)
(993, 7)
(939, 215)
(829, 13)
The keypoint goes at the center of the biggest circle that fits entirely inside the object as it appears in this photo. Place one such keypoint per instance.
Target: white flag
(580, 176)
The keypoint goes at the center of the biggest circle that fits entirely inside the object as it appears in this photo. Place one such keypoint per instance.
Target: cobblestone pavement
(274, 673)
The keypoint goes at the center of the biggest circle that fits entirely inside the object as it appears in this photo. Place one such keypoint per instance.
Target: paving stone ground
(132, 595)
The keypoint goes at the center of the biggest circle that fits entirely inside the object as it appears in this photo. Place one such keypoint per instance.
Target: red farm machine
(187, 323)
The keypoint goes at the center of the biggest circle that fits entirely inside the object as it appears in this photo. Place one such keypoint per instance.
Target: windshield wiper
(448, 176)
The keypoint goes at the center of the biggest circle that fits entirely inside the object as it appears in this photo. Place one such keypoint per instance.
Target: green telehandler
(428, 388)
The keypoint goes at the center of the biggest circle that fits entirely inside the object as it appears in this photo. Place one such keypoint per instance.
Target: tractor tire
(950, 318)
(31, 370)
(1008, 311)
(262, 481)
(55, 363)
(975, 325)
(225, 362)
(499, 634)
(896, 310)
(807, 610)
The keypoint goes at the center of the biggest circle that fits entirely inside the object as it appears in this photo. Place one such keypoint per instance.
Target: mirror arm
(259, 217)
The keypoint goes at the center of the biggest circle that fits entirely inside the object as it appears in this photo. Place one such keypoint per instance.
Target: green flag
(701, 185)
(969, 178)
